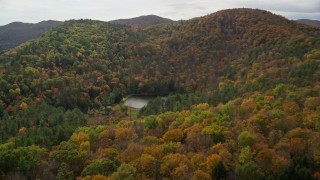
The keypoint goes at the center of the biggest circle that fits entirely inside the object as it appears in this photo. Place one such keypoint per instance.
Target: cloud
(38, 10)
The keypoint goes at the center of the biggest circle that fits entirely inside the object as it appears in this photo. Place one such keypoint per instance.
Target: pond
(137, 101)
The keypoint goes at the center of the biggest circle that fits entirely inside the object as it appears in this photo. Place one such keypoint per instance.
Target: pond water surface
(137, 101)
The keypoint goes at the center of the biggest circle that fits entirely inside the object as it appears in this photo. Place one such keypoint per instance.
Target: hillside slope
(16, 33)
(13, 34)
(244, 98)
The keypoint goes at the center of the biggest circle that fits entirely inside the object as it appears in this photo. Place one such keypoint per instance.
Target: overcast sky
(37, 10)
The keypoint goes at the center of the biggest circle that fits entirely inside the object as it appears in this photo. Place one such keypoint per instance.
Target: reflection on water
(137, 101)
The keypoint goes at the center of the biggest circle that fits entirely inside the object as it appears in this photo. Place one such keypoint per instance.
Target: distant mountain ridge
(142, 21)
(309, 22)
(16, 33)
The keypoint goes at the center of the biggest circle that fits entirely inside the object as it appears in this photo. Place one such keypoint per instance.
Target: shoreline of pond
(137, 95)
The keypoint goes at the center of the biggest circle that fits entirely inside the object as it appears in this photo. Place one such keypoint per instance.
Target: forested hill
(254, 75)
(16, 33)
(13, 34)
(142, 21)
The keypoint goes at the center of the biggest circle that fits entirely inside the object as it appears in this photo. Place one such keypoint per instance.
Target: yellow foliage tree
(147, 165)
(200, 175)
(212, 161)
(174, 135)
(22, 131)
(176, 166)
(23, 106)
(79, 137)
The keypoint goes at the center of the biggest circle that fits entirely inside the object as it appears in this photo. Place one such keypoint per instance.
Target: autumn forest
(241, 88)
